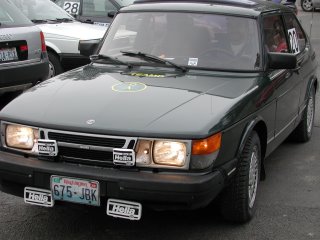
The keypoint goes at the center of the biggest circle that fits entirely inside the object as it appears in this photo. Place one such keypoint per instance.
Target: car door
(286, 82)
(300, 46)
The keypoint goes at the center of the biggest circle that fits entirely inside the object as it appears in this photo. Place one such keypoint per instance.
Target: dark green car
(182, 102)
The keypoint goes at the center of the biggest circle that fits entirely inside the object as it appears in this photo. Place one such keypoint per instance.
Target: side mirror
(111, 14)
(88, 47)
(282, 60)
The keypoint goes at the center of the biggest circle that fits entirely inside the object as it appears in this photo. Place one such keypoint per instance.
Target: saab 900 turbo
(174, 110)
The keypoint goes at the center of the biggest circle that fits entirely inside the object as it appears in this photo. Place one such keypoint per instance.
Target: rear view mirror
(111, 14)
(282, 60)
(88, 47)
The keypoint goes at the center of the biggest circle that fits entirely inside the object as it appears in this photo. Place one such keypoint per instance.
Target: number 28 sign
(294, 40)
(71, 7)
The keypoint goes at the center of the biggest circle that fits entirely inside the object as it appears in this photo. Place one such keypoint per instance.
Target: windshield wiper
(153, 58)
(63, 20)
(96, 58)
(39, 20)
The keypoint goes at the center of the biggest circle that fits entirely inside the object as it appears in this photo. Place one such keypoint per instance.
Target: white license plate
(37, 196)
(124, 209)
(102, 24)
(8, 54)
(75, 190)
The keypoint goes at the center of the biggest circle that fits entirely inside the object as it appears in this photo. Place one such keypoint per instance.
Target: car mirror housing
(281, 60)
(88, 47)
(111, 14)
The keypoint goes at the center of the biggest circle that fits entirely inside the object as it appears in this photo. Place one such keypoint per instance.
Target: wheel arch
(314, 83)
(260, 127)
(49, 49)
(53, 48)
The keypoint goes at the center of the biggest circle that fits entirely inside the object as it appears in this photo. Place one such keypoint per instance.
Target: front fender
(53, 47)
(247, 131)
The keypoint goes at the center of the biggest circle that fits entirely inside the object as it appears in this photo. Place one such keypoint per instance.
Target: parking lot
(288, 204)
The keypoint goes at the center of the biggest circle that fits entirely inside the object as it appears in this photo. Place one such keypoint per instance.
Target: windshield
(10, 16)
(123, 3)
(41, 10)
(187, 39)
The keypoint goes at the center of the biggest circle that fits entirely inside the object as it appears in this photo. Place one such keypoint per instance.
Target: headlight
(21, 137)
(169, 153)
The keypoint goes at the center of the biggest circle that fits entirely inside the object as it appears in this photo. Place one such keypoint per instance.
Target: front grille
(85, 156)
(87, 140)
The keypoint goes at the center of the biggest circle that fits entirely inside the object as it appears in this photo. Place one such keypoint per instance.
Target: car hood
(73, 30)
(161, 104)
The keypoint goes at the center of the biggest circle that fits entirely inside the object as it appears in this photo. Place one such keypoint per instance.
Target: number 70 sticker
(294, 40)
(71, 7)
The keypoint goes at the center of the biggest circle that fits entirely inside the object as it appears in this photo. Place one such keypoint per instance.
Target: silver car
(62, 33)
(23, 55)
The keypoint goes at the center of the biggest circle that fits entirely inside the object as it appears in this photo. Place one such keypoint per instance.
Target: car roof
(247, 8)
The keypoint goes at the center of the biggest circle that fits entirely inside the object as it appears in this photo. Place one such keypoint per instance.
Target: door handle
(288, 74)
(296, 70)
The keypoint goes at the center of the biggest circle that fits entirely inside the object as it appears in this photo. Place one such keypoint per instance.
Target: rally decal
(293, 40)
(129, 87)
(71, 7)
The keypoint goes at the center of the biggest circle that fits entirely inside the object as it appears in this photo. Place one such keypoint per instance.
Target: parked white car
(62, 33)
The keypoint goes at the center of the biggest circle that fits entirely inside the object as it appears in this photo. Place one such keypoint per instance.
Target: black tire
(236, 205)
(55, 67)
(306, 5)
(303, 131)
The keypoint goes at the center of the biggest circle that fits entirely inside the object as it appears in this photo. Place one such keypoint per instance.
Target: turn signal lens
(207, 145)
(143, 150)
(20, 137)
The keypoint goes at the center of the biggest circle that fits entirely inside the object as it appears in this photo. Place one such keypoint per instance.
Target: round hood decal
(129, 87)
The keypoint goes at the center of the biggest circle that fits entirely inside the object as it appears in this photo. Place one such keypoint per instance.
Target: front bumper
(161, 191)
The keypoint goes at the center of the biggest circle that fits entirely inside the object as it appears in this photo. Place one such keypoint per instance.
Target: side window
(297, 38)
(108, 6)
(97, 7)
(71, 7)
(274, 34)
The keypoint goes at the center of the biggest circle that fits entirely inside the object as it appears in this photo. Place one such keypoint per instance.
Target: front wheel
(238, 200)
(55, 67)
